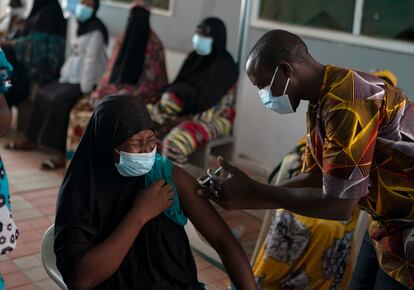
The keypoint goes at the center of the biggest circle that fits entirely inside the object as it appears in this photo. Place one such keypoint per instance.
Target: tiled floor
(33, 196)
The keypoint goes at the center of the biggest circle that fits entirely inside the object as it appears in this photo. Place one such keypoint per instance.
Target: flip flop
(50, 164)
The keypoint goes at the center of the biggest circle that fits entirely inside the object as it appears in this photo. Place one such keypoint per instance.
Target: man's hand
(236, 187)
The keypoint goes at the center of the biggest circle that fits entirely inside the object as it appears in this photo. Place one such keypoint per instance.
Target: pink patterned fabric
(152, 81)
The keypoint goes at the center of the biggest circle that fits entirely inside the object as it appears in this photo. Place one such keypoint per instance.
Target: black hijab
(94, 198)
(130, 60)
(92, 24)
(46, 16)
(204, 80)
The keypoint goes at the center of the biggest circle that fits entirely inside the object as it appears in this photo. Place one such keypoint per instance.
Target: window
(388, 19)
(380, 19)
(331, 14)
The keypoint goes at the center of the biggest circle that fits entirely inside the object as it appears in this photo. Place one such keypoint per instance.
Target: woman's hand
(153, 200)
(149, 203)
(6, 71)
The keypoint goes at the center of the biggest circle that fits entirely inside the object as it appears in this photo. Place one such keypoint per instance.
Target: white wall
(173, 61)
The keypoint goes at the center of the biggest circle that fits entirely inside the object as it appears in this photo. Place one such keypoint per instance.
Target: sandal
(50, 164)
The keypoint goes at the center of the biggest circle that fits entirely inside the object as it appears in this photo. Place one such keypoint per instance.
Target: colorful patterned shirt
(361, 136)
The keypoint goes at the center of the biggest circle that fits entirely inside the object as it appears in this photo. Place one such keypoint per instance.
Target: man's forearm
(303, 180)
(300, 181)
(307, 201)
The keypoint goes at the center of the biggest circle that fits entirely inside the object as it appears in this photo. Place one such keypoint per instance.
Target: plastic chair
(49, 258)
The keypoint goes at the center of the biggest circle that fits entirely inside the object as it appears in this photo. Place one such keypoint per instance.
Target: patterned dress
(305, 253)
(361, 136)
(179, 136)
(8, 230)
(152, 80)
(149, 87)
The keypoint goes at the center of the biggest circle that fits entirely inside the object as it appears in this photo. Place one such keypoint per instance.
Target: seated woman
(305, 253)
(39, 52)
(122, 208)
(136, 67)
(194, 109)
(81, 72)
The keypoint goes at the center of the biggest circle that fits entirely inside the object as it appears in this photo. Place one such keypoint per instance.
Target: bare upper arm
(199, 210)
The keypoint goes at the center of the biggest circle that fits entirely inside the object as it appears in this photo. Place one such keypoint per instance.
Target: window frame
(156, 11)
(355, 38)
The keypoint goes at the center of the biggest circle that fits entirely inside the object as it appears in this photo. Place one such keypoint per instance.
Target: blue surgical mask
(83, 12)
(70, 6)
(280, 104)
(135, 164)
(202, 44)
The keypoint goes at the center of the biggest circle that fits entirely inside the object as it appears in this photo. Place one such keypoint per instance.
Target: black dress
(94, 198)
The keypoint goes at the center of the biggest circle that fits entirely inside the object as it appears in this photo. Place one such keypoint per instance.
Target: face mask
(83, 12)
(70, 6)
(280, 104)
(202, 45)
(135, 164)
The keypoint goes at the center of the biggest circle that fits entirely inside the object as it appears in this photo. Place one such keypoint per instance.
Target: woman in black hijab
(204, 79)
(93, 23)
(39, 51)
(130, 60)
(199, 90)
(119, 221)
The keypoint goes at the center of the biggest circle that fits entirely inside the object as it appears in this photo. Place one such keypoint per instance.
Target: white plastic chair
(49, 258)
